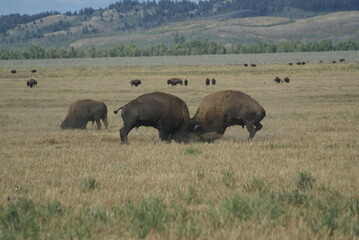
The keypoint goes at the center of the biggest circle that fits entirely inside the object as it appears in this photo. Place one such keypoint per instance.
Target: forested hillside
(55, 30)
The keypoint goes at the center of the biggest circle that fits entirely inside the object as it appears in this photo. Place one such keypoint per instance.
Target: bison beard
(223, 109)
(83, 111)
(165, 112)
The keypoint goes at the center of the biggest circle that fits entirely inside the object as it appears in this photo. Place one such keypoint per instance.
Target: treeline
(193, 47)
(11, 21)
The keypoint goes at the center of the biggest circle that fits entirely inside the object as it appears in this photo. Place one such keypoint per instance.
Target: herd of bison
(169, 114)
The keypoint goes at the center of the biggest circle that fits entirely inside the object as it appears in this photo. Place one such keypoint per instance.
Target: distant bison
(226, 108)
(174, 81)
(246, 64)
(165, 112)
(213, 81)
(208, 82)
(286, 80)
(31, 83)
(33, 71)
(185, 82)
(13, 71)
(83, 111)
(278, 80)
(135, 82)
(253, 65)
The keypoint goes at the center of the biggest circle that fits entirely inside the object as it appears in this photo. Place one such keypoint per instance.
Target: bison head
(73, 123)
(187, 132)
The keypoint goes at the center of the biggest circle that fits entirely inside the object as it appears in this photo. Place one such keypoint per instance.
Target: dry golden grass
(311, 127)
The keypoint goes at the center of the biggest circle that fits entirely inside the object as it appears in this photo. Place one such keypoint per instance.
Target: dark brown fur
(207, 81)
(174, 81)
(31, 83)
(83, 111)
(223, 109)
(213, 81)
(165, 112)
(135, 82)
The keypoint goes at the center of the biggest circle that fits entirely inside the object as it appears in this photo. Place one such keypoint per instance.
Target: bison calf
(83, 111)
(165, 112)
(223, 109)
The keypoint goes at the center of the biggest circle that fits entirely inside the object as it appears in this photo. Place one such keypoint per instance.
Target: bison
(278, 80)
(174, 81)
(213, 81)
(208, 82)
(286, 80)
(185, 82)
(33, 70)
(165, 112)
(135, 82)
(31, 83)
(226, 108)
(83, 111)
(13, 71)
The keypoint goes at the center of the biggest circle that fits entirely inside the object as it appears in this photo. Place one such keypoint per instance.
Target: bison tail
(116, 111)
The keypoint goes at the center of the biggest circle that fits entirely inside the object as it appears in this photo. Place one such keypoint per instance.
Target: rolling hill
(144, 26)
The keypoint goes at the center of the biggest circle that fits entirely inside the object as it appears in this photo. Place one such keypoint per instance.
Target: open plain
(297, 179)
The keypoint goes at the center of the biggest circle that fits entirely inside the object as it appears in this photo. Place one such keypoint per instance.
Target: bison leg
(105, 122)
(125, 131)
(98, 123)
(123, 134)
(164, 134)
(251, 130)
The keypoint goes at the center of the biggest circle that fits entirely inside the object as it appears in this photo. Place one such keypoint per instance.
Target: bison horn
(197, 127)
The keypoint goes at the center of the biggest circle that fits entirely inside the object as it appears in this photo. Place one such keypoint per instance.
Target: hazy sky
(37, 6)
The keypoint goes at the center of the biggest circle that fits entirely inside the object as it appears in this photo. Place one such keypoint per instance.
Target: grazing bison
(185, 82)
(278, 80)
(208, 82)
(174, 81)
(83, 111)
(253, 65)
(226, 108)
(33, 71)
(165, 112)
(31, 83)
(13, 71)
(246, 64)
(135, 82)
(213, 81)
(286, 80)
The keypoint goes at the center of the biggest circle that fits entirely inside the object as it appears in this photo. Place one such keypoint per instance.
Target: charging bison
(165, 112)
(135, 82)
(174, 81)
(83, 111)
(31, 83)
(223, 109)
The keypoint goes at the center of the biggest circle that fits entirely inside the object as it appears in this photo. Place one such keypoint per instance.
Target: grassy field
(297, 179)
